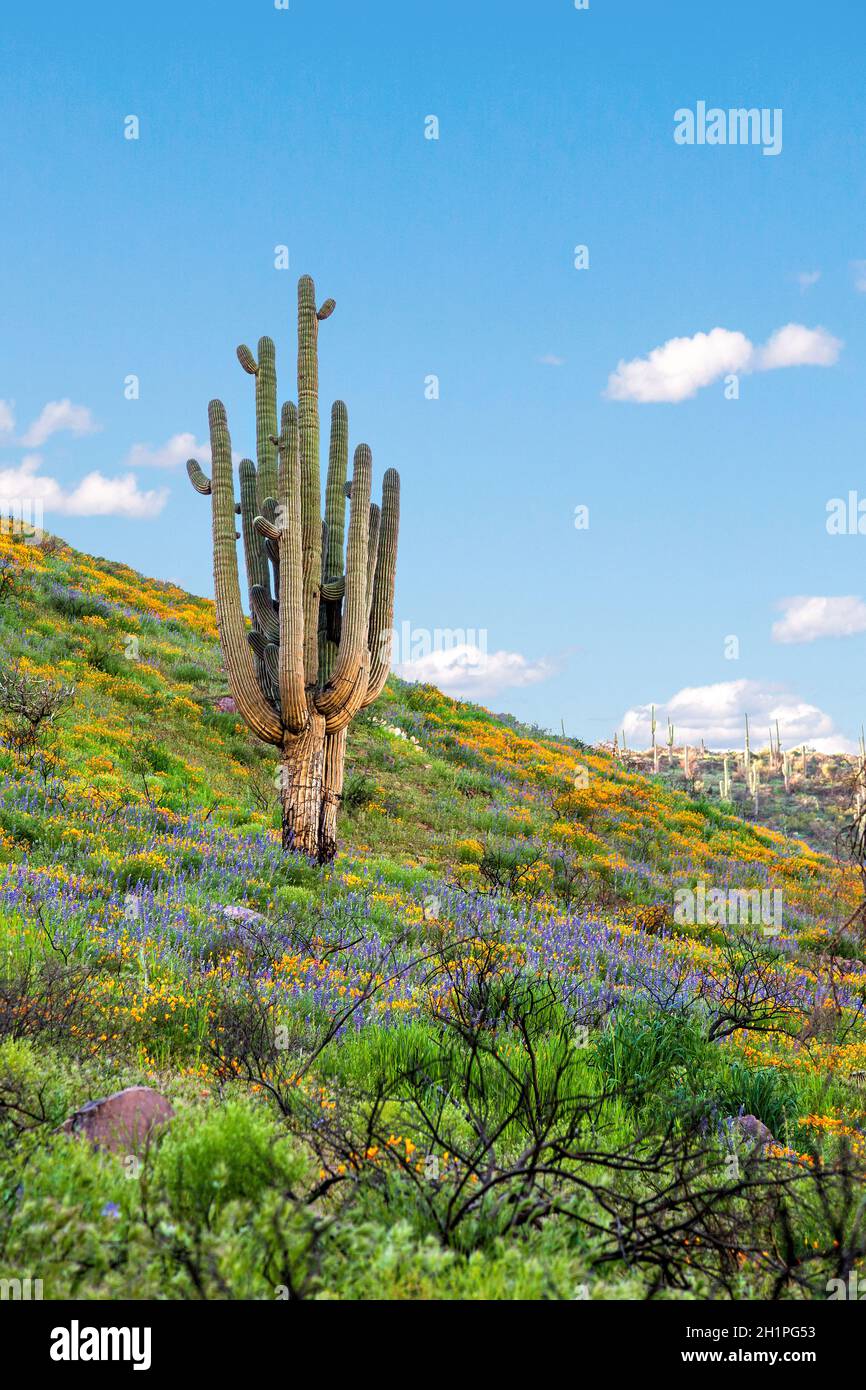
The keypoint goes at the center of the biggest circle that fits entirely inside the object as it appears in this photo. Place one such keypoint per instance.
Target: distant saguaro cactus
(318, 647)
(725, 784)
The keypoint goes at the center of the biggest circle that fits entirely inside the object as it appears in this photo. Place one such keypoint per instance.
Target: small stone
(752, 1129)
(121, 1123)
(236, 913)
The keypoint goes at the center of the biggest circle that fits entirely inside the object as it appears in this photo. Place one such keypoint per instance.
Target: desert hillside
(521, 1039)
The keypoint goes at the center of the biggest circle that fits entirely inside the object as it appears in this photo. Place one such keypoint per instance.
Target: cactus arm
(265, 373)
(266, 529)
(333, 539)
(255, 556)
(354, 700)
(335, 490)
(382, 613)
(266, 419)
(237, 654)
(272, 662)
(311, 501)
(293, 700)
(246, 359)
(263, 613)
(372, 556)
(199, 479)
(352, 654)
(334, 591)
(258, 574)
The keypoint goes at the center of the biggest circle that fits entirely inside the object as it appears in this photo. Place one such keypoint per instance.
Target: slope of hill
(519, 1040)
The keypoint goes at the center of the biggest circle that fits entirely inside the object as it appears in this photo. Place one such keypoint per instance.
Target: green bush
(230, 1154)
(190, 673)
(766, 1092)
(359, 792)
(649, 1056)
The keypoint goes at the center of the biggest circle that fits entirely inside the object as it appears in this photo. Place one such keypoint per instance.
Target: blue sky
(455, 258)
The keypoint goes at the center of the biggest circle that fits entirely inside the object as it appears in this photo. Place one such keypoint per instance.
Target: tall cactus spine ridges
(318, 643)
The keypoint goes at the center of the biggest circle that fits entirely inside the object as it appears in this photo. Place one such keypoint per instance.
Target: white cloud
(678, 369)
(467, 672)
(171, 454)
(95, 495)
(7, 417)
(808, 617)
(551, 360)
(57, 416)
(807, 278)
(716, 714)
(796, 346)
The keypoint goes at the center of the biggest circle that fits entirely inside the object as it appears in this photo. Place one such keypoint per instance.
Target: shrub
(189, 673)
(32, 1091)
(230, 1154)
(648, 1055)
(510, 868)
(359, 792)
(30, 708)
(100, 654)
(471, 784)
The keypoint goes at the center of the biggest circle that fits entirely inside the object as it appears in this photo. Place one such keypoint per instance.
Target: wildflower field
(479, 1055)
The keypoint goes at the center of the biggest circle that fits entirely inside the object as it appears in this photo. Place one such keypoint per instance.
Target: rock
(122, 1123)
(226, 704)
(753, 1130)
(236, 913)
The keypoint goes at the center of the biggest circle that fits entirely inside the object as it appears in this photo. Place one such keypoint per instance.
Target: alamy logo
(25, 1289)
(77, 1343)
(855, 1289)
(846, 516)
(729, 907)
(738, 126)
(22, 517)
(408, 644)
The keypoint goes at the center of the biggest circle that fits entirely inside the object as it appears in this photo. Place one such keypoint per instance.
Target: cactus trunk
(332, 792)
(301, 788)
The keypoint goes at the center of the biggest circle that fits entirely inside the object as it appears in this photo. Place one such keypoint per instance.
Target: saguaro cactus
(725, 784)
(318, 645)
